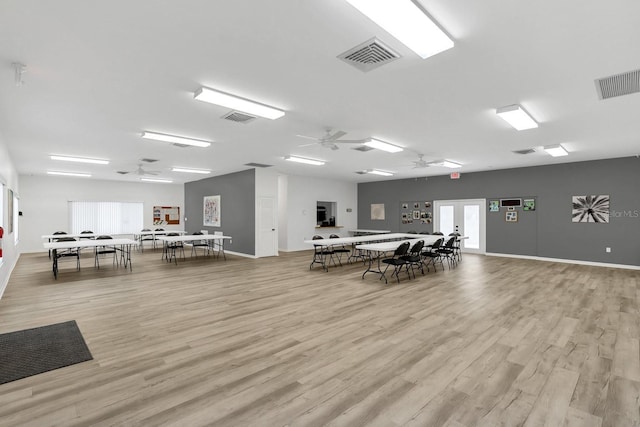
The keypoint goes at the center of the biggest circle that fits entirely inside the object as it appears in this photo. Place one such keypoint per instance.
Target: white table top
(192, 237)
(370, 231)
(365, 239)
(88, 243)
(158, 232)
(428, 239)
(76, 235)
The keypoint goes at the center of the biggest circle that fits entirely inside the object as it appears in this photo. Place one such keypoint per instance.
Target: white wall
(44, 202)
(303, 193)
(283, 218)
(10, 250)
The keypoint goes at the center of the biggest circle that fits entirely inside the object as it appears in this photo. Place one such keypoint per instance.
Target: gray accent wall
(546, 232)
(237, 208)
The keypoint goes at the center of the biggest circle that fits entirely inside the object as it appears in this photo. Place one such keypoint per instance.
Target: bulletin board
(166, 215)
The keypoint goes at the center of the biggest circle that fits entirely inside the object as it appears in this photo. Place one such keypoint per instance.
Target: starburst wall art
(590, 208)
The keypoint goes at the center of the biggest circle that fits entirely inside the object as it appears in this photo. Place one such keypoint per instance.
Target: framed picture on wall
(416, 214)
(529, 205)
(494, 206)
(405, 206)
(511, 216)
(211, 211)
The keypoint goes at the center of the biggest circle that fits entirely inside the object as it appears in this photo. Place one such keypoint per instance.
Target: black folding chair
(414, 257)
(397, 261)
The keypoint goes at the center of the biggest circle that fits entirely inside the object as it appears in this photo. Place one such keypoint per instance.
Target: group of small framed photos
(511, 205)
(416, 212)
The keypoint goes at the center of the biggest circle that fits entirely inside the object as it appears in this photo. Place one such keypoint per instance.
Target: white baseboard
(240, 254)
(567, 261)
(5, 282)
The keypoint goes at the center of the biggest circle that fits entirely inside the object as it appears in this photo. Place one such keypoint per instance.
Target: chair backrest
(59, 232)
(104, 237)
(198, 233)
(402, 249)
(66, 239)
(159, 229)
(438, 233)
(412, 232)
(424, 232)
(86, 232)
(417, 247)
(218, 233)
(450, 242)
(437, 244)
(145, 229)
(173, 234)
(334, 236)
(454, 234)
(317, 237)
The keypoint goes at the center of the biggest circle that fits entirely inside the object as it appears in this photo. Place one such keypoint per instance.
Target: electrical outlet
(608, 250)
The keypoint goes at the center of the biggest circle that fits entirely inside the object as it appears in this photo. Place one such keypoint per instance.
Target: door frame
(458, 213)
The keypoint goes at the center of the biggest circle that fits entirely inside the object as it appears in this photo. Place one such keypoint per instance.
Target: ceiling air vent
(361, 172)
(149, 160)
(525, 151)
(238, 117)
(369, 55)
(122, 172)
(363, 148)
(257, 165)
(618, 85)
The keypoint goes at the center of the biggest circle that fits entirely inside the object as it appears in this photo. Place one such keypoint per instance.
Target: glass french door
(466, 217)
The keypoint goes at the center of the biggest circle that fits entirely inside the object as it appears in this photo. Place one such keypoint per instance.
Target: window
(106, 217)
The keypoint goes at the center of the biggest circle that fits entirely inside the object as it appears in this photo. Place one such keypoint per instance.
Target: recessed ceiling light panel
(407, 23)
(80, 160)
(175, 139)
(379, 172)
(166, 181)
(517, 117)
(304, 160)
(83, 175)
(188, 170)
(381, 145)
(236, 103)
(556, 150)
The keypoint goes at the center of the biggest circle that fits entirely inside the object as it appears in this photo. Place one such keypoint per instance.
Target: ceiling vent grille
(369, 55)
(238, 117)
(257, 165)
(363, 148)
(122, 172)
(177, 144)
(618, 85)
(361, 172)
(149, 160)
(525, 151)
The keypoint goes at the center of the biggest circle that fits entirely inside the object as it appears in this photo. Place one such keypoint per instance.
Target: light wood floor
(268, 343)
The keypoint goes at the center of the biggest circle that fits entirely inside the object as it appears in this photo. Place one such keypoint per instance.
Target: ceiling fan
(330, 140)
(421, 163)
(140, 171)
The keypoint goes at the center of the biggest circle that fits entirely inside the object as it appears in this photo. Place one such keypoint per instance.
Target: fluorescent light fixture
(156, 180)
(80, 160)
(406, 22)
(446, 164)
(379, 172)
(556, 150)
(185, 170)
(517, 117)
(84, 175)
(384, 146)
(304, 160)
(235, 103)
(175, 139)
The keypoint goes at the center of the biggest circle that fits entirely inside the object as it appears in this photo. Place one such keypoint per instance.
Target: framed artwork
(416, 205)
(416, 214)
(529, 205)
(590, 209)
(377, 211)
(494, 206)
(423, 215)
(405, 206)
(511, 216)
(166, 215)
(211, 211)
(427, 205)
(405, 215)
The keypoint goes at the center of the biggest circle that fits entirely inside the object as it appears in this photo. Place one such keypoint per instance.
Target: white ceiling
(101, 72)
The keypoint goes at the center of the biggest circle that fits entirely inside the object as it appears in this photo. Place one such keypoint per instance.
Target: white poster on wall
(211, 211)
(377, 211)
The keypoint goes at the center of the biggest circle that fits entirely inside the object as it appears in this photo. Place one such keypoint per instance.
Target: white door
(467, 217)
(267, 227)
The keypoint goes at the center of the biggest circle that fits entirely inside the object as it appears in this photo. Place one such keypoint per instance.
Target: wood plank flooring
(268, 342)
